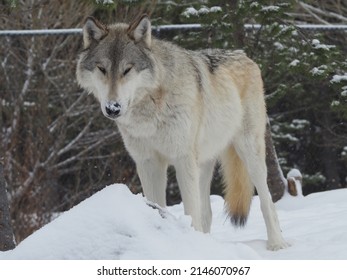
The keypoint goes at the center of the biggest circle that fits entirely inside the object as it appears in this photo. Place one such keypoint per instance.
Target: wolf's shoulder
(217, 57)
(225, 53)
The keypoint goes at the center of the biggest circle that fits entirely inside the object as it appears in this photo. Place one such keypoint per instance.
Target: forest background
(56, 147)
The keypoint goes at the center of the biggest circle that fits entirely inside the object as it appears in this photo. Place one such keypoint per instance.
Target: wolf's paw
(277, 245)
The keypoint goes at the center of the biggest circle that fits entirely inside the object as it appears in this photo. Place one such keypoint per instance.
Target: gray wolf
(183, 108)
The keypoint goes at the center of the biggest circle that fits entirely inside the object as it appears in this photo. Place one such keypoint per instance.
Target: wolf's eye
(127, 70)
(102, 70)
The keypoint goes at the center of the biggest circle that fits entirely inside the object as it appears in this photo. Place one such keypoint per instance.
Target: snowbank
(115, 224)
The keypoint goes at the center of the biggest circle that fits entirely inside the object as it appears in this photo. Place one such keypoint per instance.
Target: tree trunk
(6, 232)
(329, 155)
(275, 178)
(238, 27)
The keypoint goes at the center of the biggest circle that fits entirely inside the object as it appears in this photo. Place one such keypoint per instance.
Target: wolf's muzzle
(112, 109)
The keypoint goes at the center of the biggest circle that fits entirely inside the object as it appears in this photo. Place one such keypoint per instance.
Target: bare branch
(83, 152)
(70, 145)
(308, 9)
(314, 10)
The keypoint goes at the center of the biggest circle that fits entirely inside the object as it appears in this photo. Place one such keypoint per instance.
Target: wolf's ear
(93, 30)
(140, 30)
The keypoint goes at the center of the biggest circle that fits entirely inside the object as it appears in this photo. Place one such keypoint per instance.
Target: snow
(288, 137)
(254, 4)
(344, 151)
(104, 2)
(339, 78)
(335, 103)
(190, 12)
(115, 224)
(278, 46)
(202, 11)
(344, 91)
(294, 173)
(271, 8)
(299, 124)
(215, 9)
(294, 63)
(320, 70)
(317, 45)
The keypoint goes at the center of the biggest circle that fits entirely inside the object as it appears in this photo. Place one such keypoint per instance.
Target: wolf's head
(116, 64)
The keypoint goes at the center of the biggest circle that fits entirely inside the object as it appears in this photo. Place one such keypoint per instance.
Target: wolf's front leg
(152, 173)
(196, 201)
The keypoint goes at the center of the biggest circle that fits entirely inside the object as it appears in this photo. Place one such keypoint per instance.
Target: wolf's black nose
(112, 109)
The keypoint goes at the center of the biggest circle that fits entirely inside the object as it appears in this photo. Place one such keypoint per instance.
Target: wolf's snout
(112, 109)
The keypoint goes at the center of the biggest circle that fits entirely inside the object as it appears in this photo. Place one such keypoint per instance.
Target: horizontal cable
(42, 32)
(77, 31)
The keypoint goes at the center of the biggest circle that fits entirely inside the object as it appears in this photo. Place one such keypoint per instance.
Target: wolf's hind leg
(251, 150)
(152, 173)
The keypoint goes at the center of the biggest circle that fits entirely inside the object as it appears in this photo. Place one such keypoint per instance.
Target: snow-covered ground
(115, 224)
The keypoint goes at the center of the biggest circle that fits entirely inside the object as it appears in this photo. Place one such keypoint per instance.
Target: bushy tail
(238, 187)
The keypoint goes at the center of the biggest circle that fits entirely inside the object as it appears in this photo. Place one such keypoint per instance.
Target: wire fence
(78, 31)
